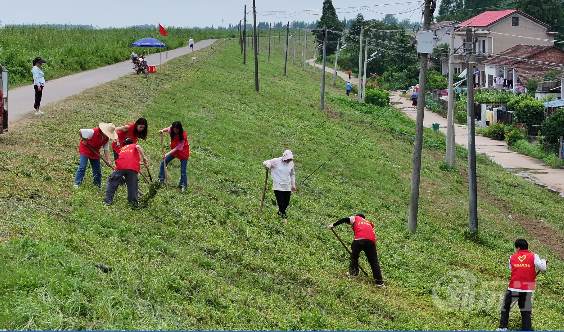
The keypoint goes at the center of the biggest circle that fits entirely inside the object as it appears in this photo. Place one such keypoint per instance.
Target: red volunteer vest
(122, 136)
(523, 274)
(363, 229)
(96, 142)
(128, 158)
(185, 152)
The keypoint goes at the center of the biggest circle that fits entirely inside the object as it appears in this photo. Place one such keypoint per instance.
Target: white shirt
(191, 41)
(540, 263)
(38, 76)
(283, 175)
(89, 133)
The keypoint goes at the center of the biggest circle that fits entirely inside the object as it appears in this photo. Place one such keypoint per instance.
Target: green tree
(548, 11)
(390, 19)
(330, 20)
(552, 128)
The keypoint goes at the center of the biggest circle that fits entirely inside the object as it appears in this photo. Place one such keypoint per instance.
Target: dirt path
(498, 151)
(21, 98)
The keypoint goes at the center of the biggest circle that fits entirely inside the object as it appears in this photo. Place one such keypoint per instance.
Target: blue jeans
(183, 165)
(96, 170)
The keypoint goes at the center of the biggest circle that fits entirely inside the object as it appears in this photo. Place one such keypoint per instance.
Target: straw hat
(287, 155)
(109, 129)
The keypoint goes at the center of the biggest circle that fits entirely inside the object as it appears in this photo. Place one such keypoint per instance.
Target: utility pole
(253, 40)
(269, 35)
(416, 171)
(323, 70)
(314, 56)
(336, 58)
(255, 37)
(294, 49)
(450, 143)
(472, 184)
(365, 65)
(305, 49)
(258, 39)
(245, 37)
(360, 66)
(241, 36)
(286, 49)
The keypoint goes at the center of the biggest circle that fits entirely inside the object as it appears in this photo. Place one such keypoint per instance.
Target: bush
(515, 133)
(461, 117)
(552, 128)
(436, 81)
(527, 109)
(496, 131)
(378, 97)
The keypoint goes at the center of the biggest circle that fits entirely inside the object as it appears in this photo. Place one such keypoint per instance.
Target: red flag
(162, 30)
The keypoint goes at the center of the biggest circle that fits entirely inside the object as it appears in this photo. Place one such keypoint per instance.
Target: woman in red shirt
(135, 131)
(180, 149)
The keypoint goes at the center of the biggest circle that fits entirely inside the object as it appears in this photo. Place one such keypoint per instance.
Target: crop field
(68, 51)
(205, 259)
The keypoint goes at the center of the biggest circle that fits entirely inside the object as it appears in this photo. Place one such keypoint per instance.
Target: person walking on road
(191, 43)
(364, 240)
(350, 74)
(180, 149)
(283, 180)
(414, 97)
(135, 131)
(95, 138)
(38, 83)
(523, 276)
(127, 165)
(349, 87)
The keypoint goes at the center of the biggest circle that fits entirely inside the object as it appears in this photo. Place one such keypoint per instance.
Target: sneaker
(501, 329)
(381, 285)
(75, 186)
(183, 189)
(38, 113)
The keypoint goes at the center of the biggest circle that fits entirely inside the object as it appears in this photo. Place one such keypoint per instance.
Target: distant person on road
(127, 165)
(180, 149)
(95, 138)
(522, 285)
(38, 83)
(364, 240)
(414, 97)
(191, 43)
(350, 74)
(135, 131)
(283, 180)
(349, 87)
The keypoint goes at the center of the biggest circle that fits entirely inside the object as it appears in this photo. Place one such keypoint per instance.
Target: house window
(483, 46)
(515, 21)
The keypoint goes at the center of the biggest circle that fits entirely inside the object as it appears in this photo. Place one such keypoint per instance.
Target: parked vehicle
(3, 99)
(139, 64)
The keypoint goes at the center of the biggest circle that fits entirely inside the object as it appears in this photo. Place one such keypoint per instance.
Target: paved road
(498, 151)
(21, 99)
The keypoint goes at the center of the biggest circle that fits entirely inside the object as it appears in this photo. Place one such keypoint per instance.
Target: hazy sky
(190, 13)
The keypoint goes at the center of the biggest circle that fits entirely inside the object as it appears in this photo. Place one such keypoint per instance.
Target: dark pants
(414, 103)
(283, 200)
(524, 300)
(348, 92)
(369, 249)
(38, 95)
(114, 182)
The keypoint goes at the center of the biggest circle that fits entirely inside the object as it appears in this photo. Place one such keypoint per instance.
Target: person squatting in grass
(523, 276)
(283, 180)
(349, 87)
(135, 131)
(38, 83)
(127, 165)
(96, 138)
(180, 149)
(364, 240)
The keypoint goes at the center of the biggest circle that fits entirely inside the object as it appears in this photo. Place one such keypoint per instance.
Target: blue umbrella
(148, 42)
(415, 95)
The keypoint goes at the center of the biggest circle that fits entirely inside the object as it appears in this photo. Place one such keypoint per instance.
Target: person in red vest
(523, 275)
(127, 165)
(364, 240)
(350, 74)
(135, 131)
(180, 149)
(95, 138)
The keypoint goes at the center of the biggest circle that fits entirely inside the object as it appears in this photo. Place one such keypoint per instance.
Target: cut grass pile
(205, 259)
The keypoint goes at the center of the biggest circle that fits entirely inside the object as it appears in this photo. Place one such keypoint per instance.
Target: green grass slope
(205, 259)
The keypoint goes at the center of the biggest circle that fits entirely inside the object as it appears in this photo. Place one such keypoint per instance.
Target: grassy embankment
(205, 259)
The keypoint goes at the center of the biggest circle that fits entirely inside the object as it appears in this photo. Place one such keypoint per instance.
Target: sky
(191, 13)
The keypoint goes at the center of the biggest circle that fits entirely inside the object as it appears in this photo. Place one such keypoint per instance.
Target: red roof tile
(488, 18)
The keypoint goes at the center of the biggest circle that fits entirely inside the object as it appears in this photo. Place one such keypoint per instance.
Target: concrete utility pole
(472, 184)
(450, 143)
(336, 58)
(305, 49)
(269, 35)
(365, 65)
(294, 38)
(314, 56)
(255, 37)
(241, 36)
(323, 71)
(360, 66)
(286, 49)
(416, 171)
(245, 37)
